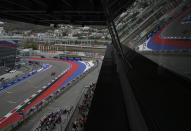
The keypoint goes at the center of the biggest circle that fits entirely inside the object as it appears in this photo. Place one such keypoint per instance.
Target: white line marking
(18, 107)
(26, 100)
(44, 87)
(39, 91)
(9, 114)
(33, 95)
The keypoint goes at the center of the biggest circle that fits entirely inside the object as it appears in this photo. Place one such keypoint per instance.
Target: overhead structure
(47, 12)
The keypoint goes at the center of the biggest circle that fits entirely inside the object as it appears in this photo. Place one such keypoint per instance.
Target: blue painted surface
(79, 71)
(187, 19)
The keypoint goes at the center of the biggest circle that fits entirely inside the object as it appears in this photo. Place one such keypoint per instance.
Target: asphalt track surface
(69, 97)
(178, 29)
(16, 95)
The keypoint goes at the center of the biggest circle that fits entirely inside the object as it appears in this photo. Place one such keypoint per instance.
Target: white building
(2, 31)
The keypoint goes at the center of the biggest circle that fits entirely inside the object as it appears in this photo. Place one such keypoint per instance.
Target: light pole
(15, 57)
(4, 62)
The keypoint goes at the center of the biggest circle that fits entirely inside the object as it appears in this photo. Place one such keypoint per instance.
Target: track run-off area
(25, 95)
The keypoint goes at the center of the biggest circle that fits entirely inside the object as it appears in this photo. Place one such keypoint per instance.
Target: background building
(8, 52)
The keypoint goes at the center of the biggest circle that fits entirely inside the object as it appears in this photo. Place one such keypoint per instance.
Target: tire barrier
(20, 108)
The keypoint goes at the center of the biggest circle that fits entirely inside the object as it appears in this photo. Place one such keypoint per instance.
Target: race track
(44, 86)
(16, 95)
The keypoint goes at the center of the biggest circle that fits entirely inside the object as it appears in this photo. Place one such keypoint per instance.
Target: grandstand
(8, 51)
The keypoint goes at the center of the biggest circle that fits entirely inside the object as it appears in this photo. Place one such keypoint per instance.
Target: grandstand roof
(46, 12)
